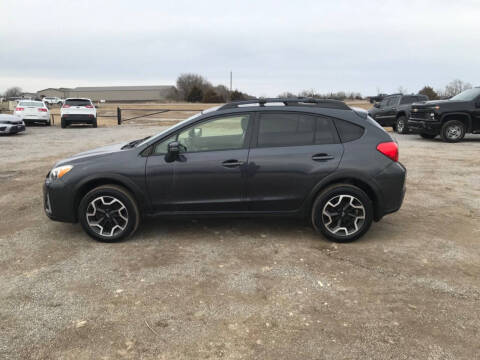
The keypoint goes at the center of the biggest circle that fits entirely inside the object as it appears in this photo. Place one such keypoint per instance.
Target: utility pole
(231, 80)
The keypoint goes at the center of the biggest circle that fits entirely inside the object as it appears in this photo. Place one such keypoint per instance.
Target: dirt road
(241, 289)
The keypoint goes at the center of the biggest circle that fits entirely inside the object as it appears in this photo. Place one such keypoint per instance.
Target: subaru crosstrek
(317, 159)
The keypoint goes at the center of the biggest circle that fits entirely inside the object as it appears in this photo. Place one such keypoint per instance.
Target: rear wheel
(109, 213)
(428, 136)
(342, 213)
(401, 125)
(453, 131)
(64, 123)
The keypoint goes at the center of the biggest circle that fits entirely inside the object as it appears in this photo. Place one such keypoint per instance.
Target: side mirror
(173, 151)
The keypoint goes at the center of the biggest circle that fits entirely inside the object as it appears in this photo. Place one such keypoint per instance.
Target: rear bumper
(392, 184)
(58, 202)
(78, 118)
(424, 127)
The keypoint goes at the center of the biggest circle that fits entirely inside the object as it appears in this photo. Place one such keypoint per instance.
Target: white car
(10, 124)
(32, 111)
(52, 100)
(78, 111)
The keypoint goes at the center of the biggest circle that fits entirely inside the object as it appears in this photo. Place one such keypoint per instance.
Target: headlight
(59, 172)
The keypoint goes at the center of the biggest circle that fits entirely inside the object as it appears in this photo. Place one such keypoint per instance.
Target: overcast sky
(271, 46)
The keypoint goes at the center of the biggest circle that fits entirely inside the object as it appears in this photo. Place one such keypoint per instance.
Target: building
(112, 93)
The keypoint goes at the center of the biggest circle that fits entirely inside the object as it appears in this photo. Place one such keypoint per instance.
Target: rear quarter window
(348, 131)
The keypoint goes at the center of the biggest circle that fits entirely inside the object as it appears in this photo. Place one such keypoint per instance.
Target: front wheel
(342, 213)
(109, 213)
(401, 125)
(453, 131)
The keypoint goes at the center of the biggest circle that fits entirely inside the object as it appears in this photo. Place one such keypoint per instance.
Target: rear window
(348, 131)
(31, 103)
(78, 102)
(276, 130)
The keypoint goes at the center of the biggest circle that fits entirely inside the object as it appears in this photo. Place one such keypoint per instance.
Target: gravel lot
(241, 289)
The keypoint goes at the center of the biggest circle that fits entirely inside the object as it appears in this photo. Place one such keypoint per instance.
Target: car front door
(476, 115)
(380, 114)
(290, 153)
(391, 110)
(209, 173)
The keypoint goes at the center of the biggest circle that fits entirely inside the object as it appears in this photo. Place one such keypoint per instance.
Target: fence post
(119, 116)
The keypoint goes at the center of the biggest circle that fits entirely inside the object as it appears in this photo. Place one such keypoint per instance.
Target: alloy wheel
(453, 132)
(343, 215)
(107, 216)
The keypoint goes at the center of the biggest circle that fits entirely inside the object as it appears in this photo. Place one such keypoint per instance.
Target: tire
(63, 123)
(453, 131)
(94, 123)
(428, 136)
(113, 208)
(342, 195)
(48, 123)
(401, 125)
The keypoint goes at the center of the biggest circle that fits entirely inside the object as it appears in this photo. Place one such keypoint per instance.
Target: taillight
(19, 109)
(65, 106)
(42, 109)
(389, 149)
(89, 106)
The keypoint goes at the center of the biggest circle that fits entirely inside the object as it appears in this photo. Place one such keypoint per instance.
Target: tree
(14, 91)
(429, 92)
(195, 94)
(456, 87)
(186, 83)
(238, 96)
(211, 96)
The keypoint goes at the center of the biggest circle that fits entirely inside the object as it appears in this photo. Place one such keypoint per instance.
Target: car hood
(448, 104)
(90, 154)
(10, 119)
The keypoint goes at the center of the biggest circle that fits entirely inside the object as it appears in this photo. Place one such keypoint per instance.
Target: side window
(285, 130)
(225, 133)
(325, 132)
(384, 103)
(393, 101)
(348, 131)
(162, 147)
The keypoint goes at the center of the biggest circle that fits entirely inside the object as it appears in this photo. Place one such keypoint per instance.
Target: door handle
(232, 163)
(322, 157)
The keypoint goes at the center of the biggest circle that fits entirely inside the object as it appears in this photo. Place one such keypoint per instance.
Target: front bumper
(58, 201)
(424, 127)
(11, 128)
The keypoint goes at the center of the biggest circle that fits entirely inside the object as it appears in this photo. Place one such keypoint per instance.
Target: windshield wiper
(134, 143)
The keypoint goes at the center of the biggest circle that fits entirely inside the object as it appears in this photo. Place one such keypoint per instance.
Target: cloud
(270, 46)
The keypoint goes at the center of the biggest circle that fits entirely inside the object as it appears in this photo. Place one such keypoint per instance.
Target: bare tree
(14, 91)
(186, 82)
(455, 87)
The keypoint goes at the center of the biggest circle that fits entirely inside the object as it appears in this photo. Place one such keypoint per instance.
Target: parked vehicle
(451, 119)
(31, 111)
(10, 124)
(394, 111)
(53, 100)
(317, 159)
(78, 111)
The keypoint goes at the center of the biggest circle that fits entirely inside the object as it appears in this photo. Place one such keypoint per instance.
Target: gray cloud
(270, 46)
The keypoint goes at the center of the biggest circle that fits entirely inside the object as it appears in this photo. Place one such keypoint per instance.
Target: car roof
(77, 99)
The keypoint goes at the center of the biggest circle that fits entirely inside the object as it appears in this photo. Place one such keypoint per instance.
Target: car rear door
(290, 153)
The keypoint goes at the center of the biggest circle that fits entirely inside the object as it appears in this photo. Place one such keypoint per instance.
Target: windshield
(159, 135)
(31, 103)
(78, 102)
(467, 95)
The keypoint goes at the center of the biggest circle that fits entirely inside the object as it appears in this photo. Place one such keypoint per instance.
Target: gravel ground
(241, 289)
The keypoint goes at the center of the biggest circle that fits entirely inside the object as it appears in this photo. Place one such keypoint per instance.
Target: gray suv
(317, 159)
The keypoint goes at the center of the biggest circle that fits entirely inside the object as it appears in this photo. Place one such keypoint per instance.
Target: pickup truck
(394, 111)
(451, 119)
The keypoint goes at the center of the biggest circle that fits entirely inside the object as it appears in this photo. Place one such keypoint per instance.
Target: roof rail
(324, 103)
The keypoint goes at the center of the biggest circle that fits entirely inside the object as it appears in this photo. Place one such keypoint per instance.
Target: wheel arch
(401, 113)
(353, 179)
(463, 117)
(91, 183)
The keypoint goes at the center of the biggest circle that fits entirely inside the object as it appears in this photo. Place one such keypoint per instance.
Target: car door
(209, 174)
(391, 110)
(380, 113)
(476, 115)
(290, 153)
